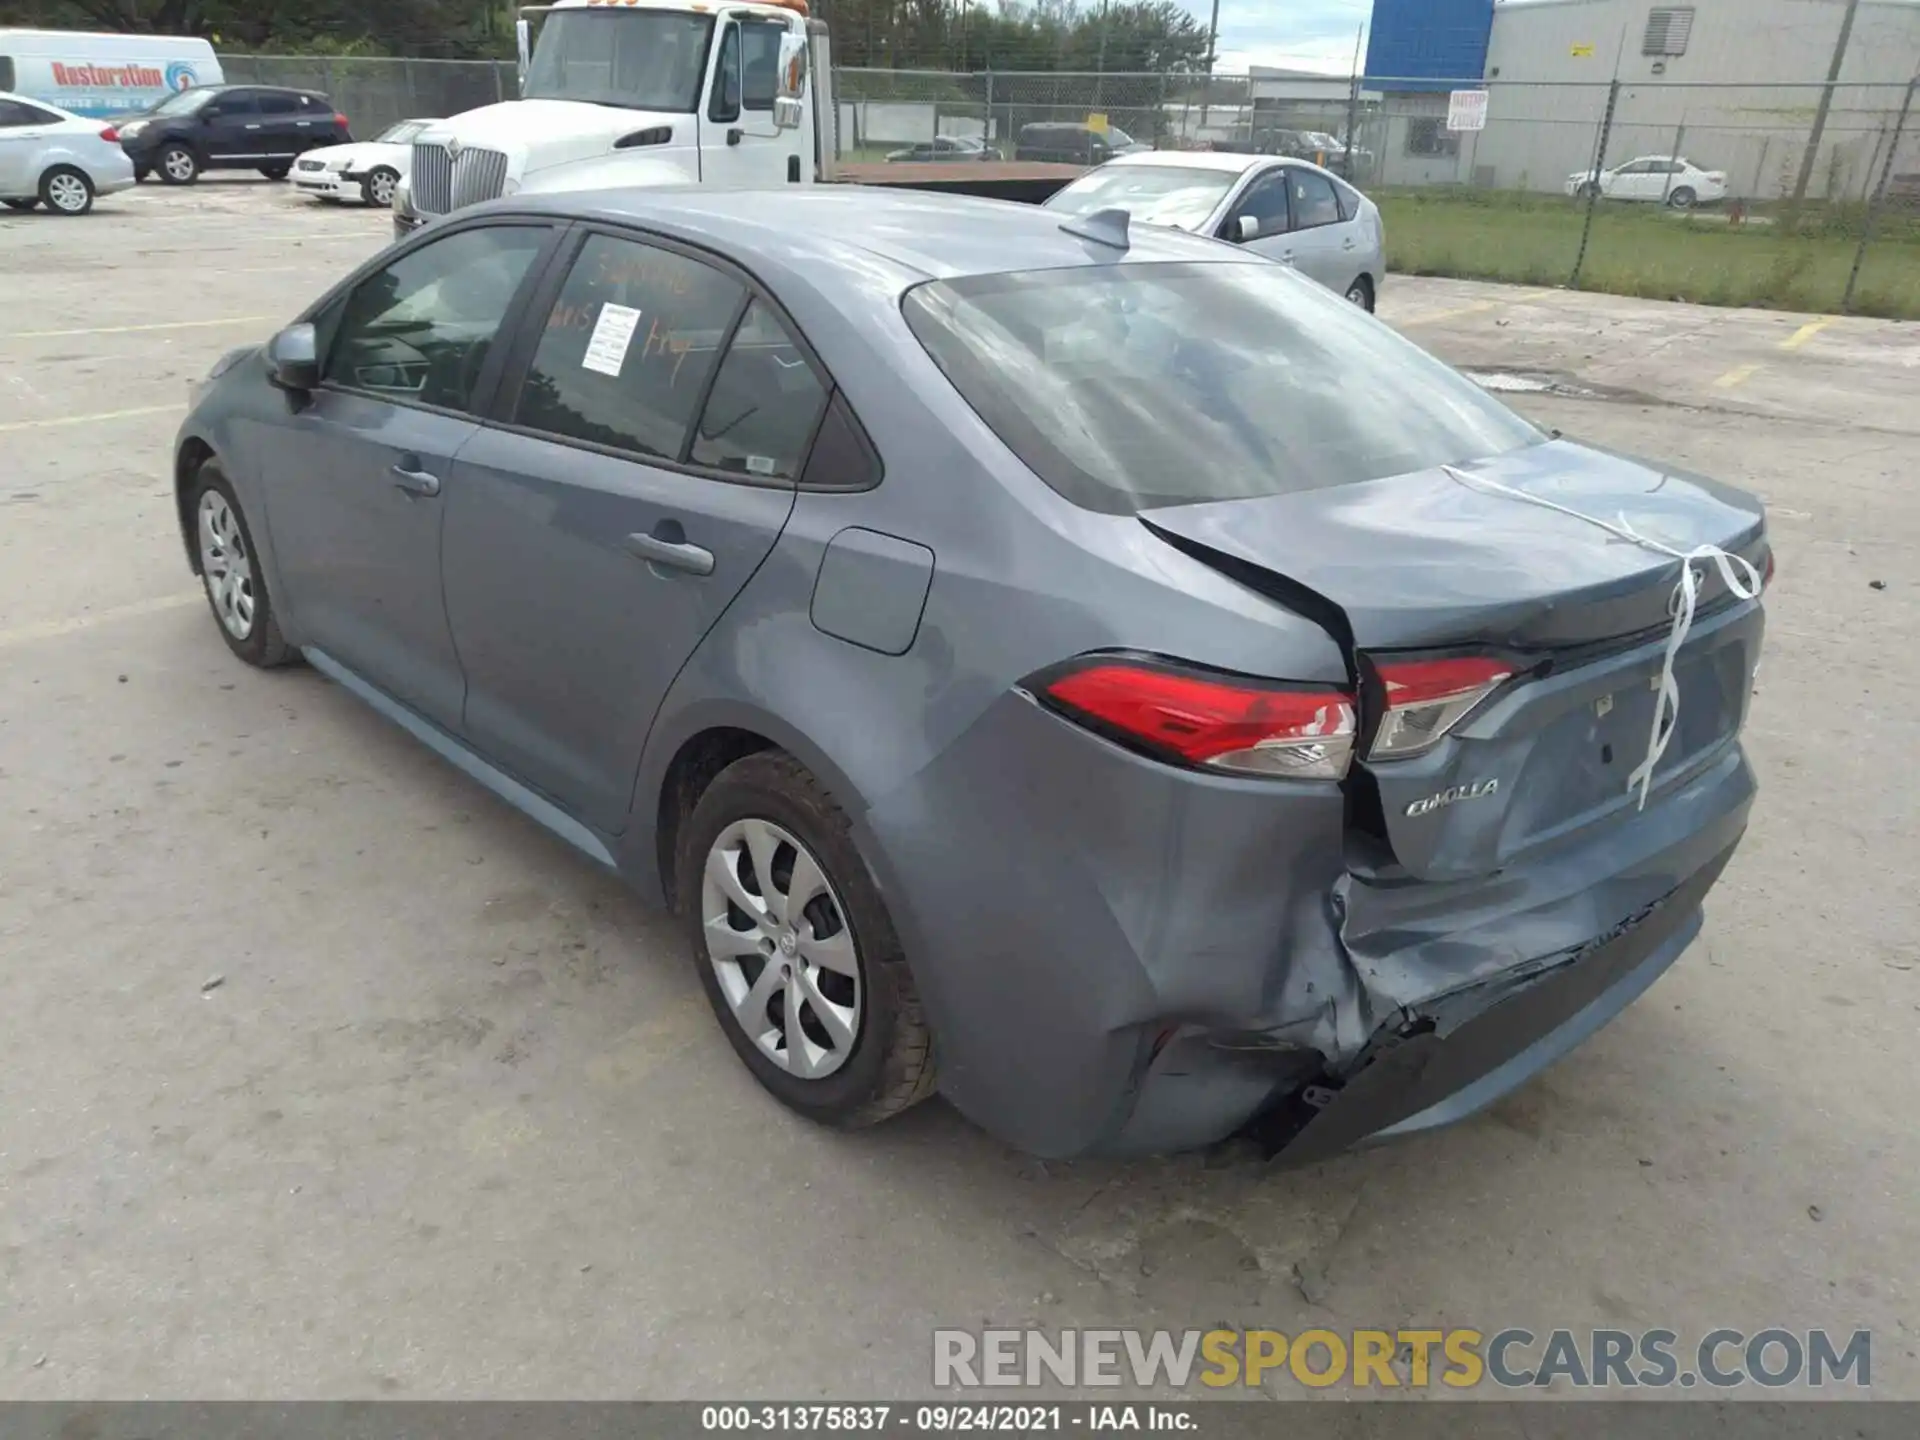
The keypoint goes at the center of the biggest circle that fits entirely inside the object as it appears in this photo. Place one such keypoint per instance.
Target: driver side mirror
(293, 359)
(1245, 228)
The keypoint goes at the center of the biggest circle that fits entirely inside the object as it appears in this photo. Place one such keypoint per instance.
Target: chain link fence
(1803, 197)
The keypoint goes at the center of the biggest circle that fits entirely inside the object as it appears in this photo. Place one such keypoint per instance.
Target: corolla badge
(1453, 795)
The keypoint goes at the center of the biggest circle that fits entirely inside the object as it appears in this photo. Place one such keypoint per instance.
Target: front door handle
(672, 554)
(253, 127)
(411, 478)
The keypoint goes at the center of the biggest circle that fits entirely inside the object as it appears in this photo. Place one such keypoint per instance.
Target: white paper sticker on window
(762, 464)
(612, 334)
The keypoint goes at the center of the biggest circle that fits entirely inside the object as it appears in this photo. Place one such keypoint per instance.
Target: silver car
(53, 158)
(1075, 667)
(1287, 210)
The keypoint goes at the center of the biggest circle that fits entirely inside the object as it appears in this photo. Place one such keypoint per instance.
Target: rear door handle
(673, 554)
(411, 478)
(253, 127)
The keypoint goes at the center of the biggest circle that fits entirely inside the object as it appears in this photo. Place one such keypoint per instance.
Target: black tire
(21, 205)
(178, 164)
(1588, 191)
(66, 191)
(891, 1065)
(379, 176)
(1361, 293)
(276, 172)
(264, 645)
(1683, 198)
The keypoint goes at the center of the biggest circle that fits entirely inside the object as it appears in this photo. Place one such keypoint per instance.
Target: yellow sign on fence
(1097, 123)
(1582, 50)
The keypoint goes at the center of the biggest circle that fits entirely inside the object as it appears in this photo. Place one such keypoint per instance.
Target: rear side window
(629, 347)
(1127, 387)
(765, 404)
(1313, 201)
(274, 102)
(13, 115)
(6, 72)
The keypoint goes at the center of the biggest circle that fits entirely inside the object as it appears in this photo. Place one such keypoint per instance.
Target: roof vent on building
(1669, 27)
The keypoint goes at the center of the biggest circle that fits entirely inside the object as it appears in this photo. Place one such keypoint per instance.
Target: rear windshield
(1178, 195)
(1127, 387)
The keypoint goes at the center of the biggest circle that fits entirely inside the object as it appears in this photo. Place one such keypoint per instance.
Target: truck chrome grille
(443, 182)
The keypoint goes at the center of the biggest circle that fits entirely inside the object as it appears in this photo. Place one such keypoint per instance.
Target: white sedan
(1663, 179)
(52, 158)
(367, 170)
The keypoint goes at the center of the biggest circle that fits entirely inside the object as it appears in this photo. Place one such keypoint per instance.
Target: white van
(99, 75)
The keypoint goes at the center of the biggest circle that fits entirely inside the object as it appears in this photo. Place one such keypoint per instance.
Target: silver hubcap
(383, 189)
(179, 164)
(226, 566)
(1358, 295)
(778, 941)
(67, 192)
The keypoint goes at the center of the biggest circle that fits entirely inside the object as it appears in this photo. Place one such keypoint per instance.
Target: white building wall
(1741, 99)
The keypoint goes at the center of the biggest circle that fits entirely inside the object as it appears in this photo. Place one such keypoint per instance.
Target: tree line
(1158, 36)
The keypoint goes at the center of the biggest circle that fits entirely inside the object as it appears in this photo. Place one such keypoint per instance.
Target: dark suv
(1073, 144)
(230, 127)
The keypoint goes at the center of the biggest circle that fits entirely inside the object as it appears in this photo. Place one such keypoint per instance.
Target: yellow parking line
(13, 425)
(51, 629)
(1479, 307)
(1737, 376)
(133, 329)
(1805, 333)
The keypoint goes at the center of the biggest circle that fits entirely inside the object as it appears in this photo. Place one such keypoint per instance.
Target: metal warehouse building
(1734, 85)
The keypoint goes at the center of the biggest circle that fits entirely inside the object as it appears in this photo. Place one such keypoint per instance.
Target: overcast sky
(1298, 34)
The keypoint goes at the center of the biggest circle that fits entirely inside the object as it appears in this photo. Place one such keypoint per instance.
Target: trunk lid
(1414, 565)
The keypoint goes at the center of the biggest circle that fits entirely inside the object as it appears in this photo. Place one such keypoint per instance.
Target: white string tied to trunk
(1739, 574)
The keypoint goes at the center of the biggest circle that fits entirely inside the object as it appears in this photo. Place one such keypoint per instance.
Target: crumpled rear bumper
(1118, 957)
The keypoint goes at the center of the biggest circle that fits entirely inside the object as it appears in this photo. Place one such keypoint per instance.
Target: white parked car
(51, 157)
(1288, 210)
(1664, 179)
(367, 170)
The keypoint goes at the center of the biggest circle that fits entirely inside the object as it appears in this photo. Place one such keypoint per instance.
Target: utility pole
(1820, 115)
(1213, 45)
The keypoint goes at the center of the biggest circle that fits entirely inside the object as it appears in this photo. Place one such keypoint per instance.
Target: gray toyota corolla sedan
(1102, 677)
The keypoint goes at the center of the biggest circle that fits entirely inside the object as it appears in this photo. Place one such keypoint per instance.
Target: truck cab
(635, 92)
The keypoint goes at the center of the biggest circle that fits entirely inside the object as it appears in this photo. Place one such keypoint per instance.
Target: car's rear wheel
(378, 187)
(20, 204)
(66, 191)
(276, 172)
(1683, 198)
(229, 568)
(1361, 293)
(796, 950)
(179, 165)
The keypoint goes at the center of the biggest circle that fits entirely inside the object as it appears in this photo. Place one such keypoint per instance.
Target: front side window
(421, 329)
(636, 59)
(628, 348)
(765, 403)
(1131, 386)
(725, 103)
(232, 106)
(1177, 195)
(1266, 204)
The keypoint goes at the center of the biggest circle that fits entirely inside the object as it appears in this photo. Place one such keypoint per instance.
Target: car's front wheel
(179, 165)
(378, 187)
(796, 950)
(230, 569)
(66, 191)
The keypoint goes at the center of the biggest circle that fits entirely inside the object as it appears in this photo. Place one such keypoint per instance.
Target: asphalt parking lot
(456, 1120)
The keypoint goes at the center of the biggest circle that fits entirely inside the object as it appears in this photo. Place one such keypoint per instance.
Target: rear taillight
(1766, 571)
(110, 135)
(1196, 717)
(1427, 698)
(341, 121)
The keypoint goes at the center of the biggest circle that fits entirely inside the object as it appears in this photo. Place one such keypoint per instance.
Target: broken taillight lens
(1196, 717)
(1427, 698)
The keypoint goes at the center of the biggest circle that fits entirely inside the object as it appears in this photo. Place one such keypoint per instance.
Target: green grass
(1643, 250)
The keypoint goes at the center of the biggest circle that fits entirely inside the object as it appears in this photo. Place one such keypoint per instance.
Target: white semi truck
(660, 92)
